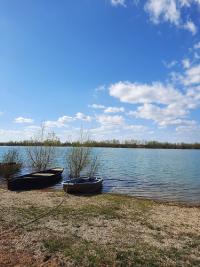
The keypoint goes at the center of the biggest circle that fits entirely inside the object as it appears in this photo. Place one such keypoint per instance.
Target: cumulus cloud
(114, 110)
(171, 11)
(182, 129)
(110, 120)
(23, 120)
(171, 115)
(163, 10)
(82, 117)
(191, 76)
(164, 104)
(60, 122)
(115, 126)
(144, 93)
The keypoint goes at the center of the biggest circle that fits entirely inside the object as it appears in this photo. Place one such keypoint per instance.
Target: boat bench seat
(43, 174)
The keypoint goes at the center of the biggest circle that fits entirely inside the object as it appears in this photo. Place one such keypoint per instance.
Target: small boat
(83, 185)
(36, 180)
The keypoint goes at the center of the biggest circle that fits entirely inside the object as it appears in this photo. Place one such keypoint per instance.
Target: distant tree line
(106, 143)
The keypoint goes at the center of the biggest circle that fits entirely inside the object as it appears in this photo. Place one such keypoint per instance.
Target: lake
(161, 174)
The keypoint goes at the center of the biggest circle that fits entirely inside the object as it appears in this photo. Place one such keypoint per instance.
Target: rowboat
(83, 185)
(35, 180)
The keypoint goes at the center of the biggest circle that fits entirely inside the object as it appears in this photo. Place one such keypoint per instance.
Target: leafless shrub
(81, 160)
(11, 163)
(42, 154)
(93, 167)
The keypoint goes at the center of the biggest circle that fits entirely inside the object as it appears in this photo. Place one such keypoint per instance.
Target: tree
(42, 154)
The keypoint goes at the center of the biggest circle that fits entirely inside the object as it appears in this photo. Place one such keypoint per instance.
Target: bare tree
(93, 167)
(42, 154)
(80, 159)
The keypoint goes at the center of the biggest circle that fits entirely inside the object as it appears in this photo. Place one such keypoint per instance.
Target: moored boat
(83, 185)
(35, 180)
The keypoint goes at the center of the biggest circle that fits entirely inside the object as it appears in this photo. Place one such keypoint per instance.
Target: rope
(34, 220)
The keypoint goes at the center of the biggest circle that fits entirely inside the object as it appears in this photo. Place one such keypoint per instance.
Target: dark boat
(36, 180)
(83, 185)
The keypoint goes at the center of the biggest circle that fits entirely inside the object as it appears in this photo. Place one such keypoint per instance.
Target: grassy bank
(103, 230)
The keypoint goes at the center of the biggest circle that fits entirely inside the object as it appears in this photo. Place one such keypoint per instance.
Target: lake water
(168, 175)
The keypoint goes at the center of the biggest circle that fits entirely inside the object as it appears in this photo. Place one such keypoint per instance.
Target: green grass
(30, 213)
(140, 254)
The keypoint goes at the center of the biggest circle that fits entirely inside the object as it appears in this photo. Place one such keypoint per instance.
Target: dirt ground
(39, 228)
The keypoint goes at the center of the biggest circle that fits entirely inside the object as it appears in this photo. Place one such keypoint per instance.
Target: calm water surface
(169, 175)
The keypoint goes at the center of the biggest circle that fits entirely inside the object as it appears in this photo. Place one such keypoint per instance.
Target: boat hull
(37, 180)
(81, 187)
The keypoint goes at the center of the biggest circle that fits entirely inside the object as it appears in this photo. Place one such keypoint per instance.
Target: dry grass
(102, 230)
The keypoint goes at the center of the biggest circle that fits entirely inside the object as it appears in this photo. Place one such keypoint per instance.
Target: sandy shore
(102, 230)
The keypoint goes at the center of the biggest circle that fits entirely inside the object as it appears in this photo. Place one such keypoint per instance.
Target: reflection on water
(170, 175)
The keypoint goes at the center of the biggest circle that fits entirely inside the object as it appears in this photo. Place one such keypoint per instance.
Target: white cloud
(118, 3)
(163, 10)
(163, 104)
(23, 120)
(143, 93)
(82, 117)
(97, 106)
(108, 120)
(170, 115)
(186, 63)
(194, 94)
(192, 76)
(171, 11)
(190, 26)
(115, 126)
(60, 122)
(188, 129)
(185, 3)
(114, 110)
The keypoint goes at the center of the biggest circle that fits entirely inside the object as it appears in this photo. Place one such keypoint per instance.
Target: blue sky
(122, 69)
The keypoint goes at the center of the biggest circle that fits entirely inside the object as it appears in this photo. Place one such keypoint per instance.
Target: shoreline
(115, 146)
(156, 200)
